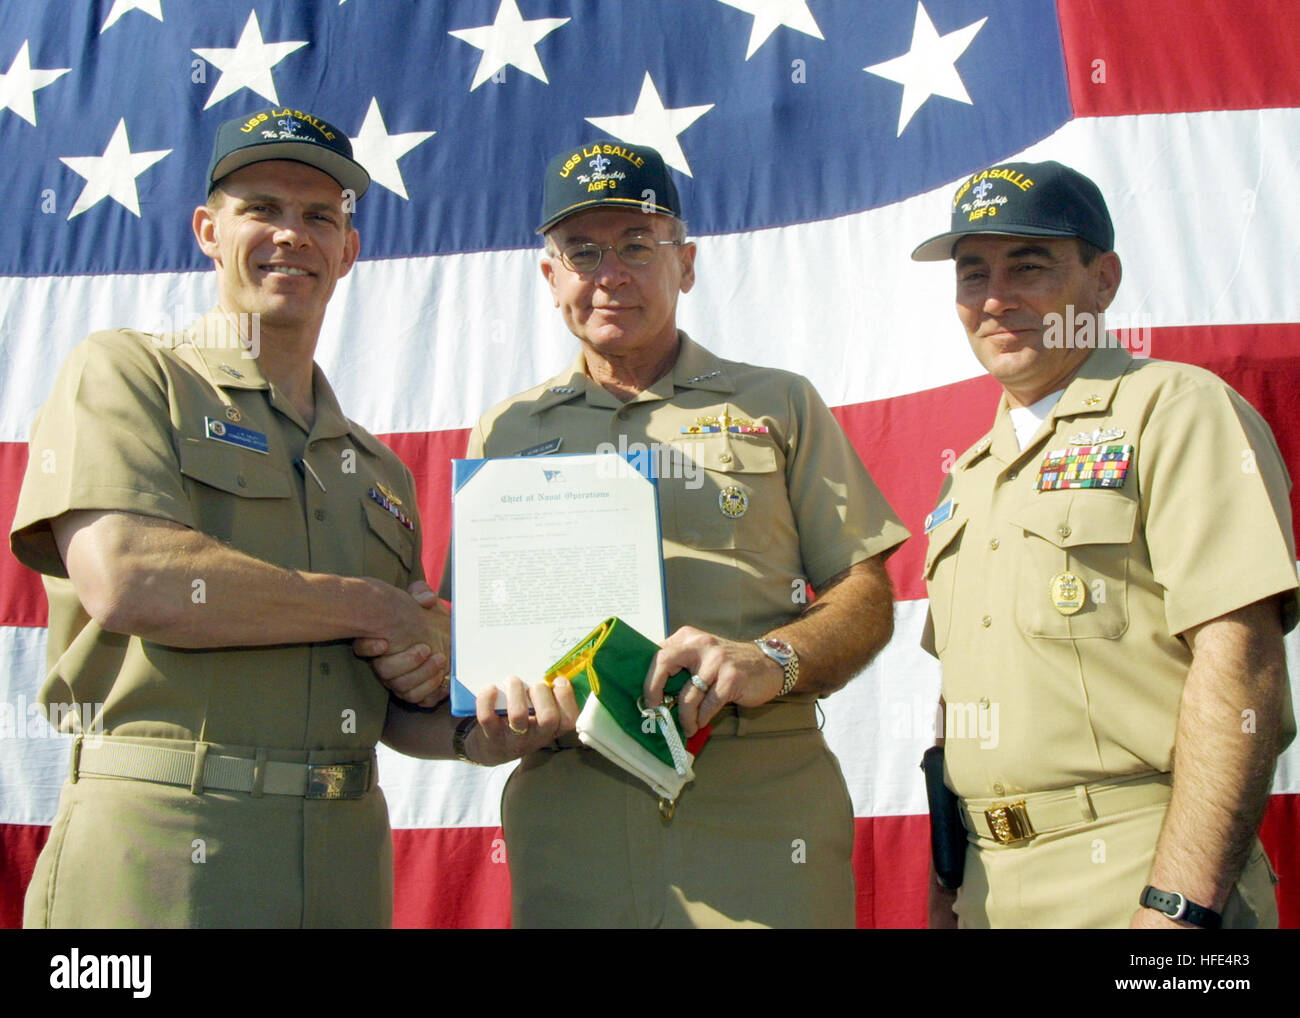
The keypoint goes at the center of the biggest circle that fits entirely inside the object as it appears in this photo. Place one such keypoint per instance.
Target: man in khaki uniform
(763, 497)
(214, 534)
(1111, 570)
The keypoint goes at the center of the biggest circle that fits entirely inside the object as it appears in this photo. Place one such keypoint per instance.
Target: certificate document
(544, 548)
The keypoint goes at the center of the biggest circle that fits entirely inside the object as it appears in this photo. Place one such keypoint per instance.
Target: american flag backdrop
(814, 143)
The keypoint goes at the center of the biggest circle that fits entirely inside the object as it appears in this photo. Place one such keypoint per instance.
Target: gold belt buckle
(1009, 822)
(337, 781)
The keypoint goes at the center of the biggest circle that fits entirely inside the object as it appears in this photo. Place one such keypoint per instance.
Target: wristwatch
(463, 728)
(1175, 906)
(783, 654)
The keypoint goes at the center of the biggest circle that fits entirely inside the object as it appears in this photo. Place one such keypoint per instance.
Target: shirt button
(993, 543)
(1063, 530)
(320, 515)
(986, 621)
(325, 668)
(984, 702)
(725, 458)
(999, 788)
(1012, 475)
(239, 479)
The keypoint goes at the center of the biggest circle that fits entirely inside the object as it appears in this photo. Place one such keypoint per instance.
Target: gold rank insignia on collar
(700, 378)
(1092, 400)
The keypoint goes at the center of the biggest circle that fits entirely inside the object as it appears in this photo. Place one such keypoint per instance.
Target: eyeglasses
(633, 252)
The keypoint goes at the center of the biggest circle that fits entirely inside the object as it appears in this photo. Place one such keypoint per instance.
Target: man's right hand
(411, 659)
(940, 906)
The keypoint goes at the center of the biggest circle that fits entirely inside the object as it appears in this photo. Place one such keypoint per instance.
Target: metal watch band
(463, 727)
(1176, 906)
(784, 655)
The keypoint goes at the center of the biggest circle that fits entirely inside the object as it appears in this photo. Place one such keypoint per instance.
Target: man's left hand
(734, 671)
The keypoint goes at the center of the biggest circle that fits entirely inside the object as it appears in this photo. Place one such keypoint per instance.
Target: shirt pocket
(237, 496)
(389, 545)
(732, 496)
(944, 541)
(1088, 535)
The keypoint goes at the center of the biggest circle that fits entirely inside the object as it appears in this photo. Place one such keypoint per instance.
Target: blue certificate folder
(534, 598)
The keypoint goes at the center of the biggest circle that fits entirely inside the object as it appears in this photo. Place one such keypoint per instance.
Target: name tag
(544, 449)
(235, 434)
(941, 515)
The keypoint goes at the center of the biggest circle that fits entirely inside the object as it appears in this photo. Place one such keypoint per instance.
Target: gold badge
(388, 494)
(733, 502)
(1068, 593)
(1092, 400)
(232, 414)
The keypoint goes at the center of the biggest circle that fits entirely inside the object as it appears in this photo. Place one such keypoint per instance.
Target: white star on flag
(378, 151)
(113, 174)
(19, 84)
(929, 67)
(509, 40)
(120, 7)
(249, 64)
(769, 15)
(650, 123)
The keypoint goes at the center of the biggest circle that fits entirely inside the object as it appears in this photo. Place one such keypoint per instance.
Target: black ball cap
(286, 134)
(607, 173)
(1024, 200)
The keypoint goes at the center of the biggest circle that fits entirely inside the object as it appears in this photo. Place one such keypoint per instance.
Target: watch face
(778, 648)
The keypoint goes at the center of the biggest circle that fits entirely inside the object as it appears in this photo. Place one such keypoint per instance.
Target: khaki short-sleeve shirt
(1042, 692)
(186, 428)
(760, 492)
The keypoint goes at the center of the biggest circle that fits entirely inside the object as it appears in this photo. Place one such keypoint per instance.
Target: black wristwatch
(1175, 906)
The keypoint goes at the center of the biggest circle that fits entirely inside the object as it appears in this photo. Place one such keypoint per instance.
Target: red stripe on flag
(907, 444)
(20, 844)
(451, 878)
(1212, 56)
(22, 598)
(429, 455)
(1279, 835)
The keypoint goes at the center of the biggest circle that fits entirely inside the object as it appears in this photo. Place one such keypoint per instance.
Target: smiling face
(618, 311)
(280, 240)
(1006, 286)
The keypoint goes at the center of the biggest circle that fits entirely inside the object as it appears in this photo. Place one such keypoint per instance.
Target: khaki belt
(769, 719)
(198, 769)
(1008, 821)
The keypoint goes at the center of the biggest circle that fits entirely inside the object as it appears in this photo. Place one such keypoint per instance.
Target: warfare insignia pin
(379, 496)
(704, 425)
(388, 494)
(733, 502)
(1096, 436)
(1068, 593)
